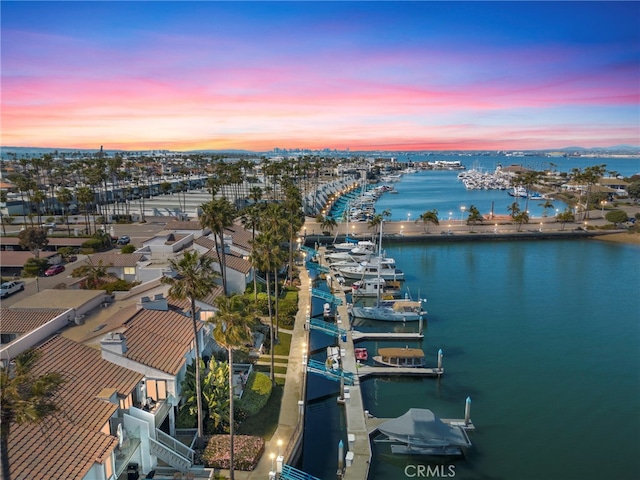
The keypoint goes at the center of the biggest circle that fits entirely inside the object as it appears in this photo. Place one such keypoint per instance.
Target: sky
(346, 75)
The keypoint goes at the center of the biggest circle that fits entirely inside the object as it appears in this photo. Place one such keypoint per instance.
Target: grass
(265, 368)
(265, 423)
(284, 344)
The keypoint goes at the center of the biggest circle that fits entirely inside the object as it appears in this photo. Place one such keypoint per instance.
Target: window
(157, 389)
(129, 270)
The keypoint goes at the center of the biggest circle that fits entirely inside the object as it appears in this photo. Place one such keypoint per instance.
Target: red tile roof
(159, 339)
(66, 446)
(116, 259)
(25, 320)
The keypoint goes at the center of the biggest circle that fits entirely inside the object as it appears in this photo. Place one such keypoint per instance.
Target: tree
(33, 239)
(616, 216)
(517, 215)
(218, 214)
(564, 217)
(25, 398)
(233, 322)
(633, 189)
(94, 274)
(474, 216)
(589, 177)
(195, 278)
(64, 197)
(328, 223)
(430, 216)
(546, 206)
(263, 257)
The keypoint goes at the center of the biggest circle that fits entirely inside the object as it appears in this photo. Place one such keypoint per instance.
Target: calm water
(543, 336)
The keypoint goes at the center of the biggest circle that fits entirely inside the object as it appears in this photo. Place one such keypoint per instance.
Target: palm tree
(265, 249)
(217, 215)
(328, 223)
(25, 398)
(64, 197)
(545, 206)
(428, 217)
(233, 322)
(474, 216)
(195, 278)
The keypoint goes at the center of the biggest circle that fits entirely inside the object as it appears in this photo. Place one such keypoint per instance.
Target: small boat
(361, 354)
(519, 192)
(370, 287)
(333, 358)
(391, 311)
(420, 428)
(400, 357)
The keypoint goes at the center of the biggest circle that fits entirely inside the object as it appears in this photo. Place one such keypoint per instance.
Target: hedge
(256, 393)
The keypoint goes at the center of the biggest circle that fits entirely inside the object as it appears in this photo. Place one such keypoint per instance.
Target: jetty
(366, 370)
(359, 336)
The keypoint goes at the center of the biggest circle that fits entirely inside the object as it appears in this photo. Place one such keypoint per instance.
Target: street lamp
(450, 213)
(602, 204)
(408, 216)
(462, 209)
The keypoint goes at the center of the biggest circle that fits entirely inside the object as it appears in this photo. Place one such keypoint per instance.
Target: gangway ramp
(326, 327)
(317, 267)
(290, 473)
(320, 368)
(329, 297)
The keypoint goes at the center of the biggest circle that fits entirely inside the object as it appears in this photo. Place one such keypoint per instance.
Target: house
(120, 265)
(80, 441)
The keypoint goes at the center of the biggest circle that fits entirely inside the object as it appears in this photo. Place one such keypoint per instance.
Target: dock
(359, 336)
(366, 370)
(374, 422)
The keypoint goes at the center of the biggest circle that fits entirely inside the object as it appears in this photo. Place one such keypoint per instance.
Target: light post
(602, 204)
(408, 216)
(450, 214)
(462, 209)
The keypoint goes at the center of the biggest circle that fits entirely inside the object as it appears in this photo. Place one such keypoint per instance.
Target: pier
(366, 370)
(359, 336)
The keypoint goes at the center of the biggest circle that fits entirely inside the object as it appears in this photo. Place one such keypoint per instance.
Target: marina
(460, 323)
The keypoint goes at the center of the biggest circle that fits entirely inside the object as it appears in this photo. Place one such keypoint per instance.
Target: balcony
(153, 413)
(124, 452)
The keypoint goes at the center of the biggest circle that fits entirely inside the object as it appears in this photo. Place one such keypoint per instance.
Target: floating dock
(366, 370)
(358, 336)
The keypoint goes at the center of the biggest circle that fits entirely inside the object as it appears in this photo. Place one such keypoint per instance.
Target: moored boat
(400, 357)
(395, 311)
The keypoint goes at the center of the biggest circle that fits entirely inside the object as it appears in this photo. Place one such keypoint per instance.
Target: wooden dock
(366, 370)
(358, 336)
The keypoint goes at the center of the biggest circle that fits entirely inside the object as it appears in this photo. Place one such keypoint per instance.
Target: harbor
(459, 323)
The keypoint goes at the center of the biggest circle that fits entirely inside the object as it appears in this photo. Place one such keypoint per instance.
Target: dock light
(273, 462)
(279, 448)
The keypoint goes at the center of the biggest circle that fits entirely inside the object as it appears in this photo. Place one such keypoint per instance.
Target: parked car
(54, 270)
(9, 288)
(51, 226)
(124, 240)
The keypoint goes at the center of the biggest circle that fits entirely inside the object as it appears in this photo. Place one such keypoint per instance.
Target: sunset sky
(359, 75)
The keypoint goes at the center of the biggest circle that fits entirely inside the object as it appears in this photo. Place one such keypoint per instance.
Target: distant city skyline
(312, 75)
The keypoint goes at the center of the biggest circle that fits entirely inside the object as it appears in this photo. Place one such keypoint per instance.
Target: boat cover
(422, 428)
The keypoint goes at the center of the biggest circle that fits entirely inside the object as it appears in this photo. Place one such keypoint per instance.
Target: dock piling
(340, 459)
(467, 411)
(440, 359)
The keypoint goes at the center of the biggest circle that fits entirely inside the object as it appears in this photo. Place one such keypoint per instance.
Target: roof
(52, 298)
(234, 262)
(10, 258)
(159, 339)
(53, 241)
(240, 236)
(25, 320)
(115, 259)
(67, 446)
(401, 352)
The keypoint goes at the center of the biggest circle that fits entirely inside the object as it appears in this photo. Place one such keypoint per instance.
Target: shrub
(288, 307)
(94, 244)
(616, 216)
(118, 286)
(247, 452)
(256, 393)
(128, 249)
(34, 267)
(184, 419)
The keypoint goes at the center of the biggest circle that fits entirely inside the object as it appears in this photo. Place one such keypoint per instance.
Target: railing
(125, 452)
(175, 445)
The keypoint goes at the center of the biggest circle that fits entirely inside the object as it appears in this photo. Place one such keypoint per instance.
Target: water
(545, 339)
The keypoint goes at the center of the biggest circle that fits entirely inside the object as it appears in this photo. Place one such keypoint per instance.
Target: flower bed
(247, 452)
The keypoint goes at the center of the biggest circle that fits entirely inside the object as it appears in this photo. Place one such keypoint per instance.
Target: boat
(356, 254)
(371, 287)
(383, 267)
(361, 354)
(333, 358)
(519, 192)
(402, 310)
(421, 431)
(400, 357)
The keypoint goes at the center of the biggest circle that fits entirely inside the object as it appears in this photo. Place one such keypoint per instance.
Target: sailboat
(403, 310)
